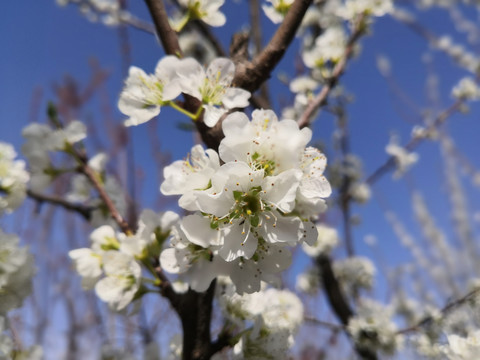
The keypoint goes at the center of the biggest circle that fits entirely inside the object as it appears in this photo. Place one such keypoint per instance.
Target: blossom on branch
(212, 87)
(144, 94)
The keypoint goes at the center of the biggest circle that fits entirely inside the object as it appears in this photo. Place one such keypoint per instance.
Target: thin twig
(85, 211)
(338, 70)
(444, 311)
(414, 142)
(251, 75)
(333, 327)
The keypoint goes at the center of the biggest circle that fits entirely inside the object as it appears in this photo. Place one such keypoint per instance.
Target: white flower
(308, 282)
(143, 94)
(354, 273)
(36, 150)
(74, 132)
(466, 89)
(212, 87)
(360, 192)
(205, 10)
(121, 282)
(314, 187)
(245, 205)
(373, 328)
(326, 240)
(353, 8)
(13, 179)
(16, 272)
(184, 176)
(329, 46)
(277, 10)
(152, 230)
(463, 348)
(403, 159)
(263, 143)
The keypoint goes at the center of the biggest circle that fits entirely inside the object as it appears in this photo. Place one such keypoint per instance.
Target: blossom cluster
(145, 94)
(41, 140)
(268, 320)
(373, 328)
(16, 272)
(113, 263)
(247, 211)
(13, 179)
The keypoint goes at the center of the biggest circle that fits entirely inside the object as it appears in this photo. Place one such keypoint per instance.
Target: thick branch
(250, 76)
(337, 301)
(167, 35)
(85, 211)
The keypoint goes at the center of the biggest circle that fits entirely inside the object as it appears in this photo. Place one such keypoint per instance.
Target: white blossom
(353, 8)
(277, 9)
(329, 47)
(206, 10)
(121, 281)
(466, 89)
(13, 179)
(212, 87)
(373, 328)
(463, 348)
(403, 159)
(327, 239)
(16, 272)
(184, 176)
(144, 94)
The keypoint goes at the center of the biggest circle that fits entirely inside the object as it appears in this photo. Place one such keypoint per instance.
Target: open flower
(205, 10)
(277, 10)
(144, 94)
(212, 87)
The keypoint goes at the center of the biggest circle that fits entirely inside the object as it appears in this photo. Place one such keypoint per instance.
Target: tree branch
(415, 142)
(166, 34)
(85, 211)
(251, 75)
(337, 301)
(338, 70)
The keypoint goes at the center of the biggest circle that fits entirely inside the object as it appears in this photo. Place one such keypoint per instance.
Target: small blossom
(466, 89)
(212, 87)
(205, 10)
(143, 94)
(277, 10)
(403, 159)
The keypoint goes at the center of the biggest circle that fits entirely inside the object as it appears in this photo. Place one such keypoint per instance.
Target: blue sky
(42, 42)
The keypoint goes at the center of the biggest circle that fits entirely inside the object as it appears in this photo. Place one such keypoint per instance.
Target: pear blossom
(205, 10)
(212, 87)
(353, 8)
(466, 89)
(373, 328)
(355, 272)
(144, 94)
(264, 142)
(13, 179)
(16, 272)
(277, 10)
(463, 348)
(121, 282)
(403, 159)
(152, 230)
(329, 47)
(326, 240)
(184, 176)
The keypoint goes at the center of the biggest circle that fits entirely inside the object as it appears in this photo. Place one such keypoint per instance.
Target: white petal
(236, 98)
